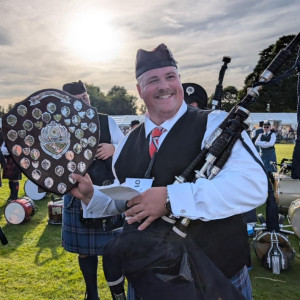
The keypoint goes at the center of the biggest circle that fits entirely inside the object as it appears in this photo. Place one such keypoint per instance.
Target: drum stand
(275, 256)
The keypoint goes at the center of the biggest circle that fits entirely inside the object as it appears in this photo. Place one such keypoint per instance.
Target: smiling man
(162, 148)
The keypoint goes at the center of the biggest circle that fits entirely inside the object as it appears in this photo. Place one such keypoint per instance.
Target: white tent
(276, 119)
(125, 120)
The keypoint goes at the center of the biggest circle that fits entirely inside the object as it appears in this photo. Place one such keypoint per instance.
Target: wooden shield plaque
(50, 135)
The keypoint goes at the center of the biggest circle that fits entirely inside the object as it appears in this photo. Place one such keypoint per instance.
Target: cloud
(34, 54)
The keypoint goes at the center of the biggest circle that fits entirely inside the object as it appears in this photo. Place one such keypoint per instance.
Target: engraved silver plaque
(25, 163)
(65, 111)
(69, 155)
(37, 113)
(92, 127)
(36, 174)
(17, 150)
(46, 117)
(90, 113)
(71, 166)
(88, 154)
(11, 120)
(12, 135)
(81, 167)
(22, 133)
(78, 105)
(59, 170)
(46, 164)
(61, 188)
(22, 110)
(27, 125)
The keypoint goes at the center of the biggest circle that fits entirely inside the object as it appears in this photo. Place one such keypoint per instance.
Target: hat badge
(190, 90)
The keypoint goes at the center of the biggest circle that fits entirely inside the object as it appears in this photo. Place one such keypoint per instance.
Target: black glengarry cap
(194, 92)
(160, 57)
(74, 88)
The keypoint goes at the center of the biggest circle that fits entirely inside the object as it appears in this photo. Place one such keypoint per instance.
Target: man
(195, 95)
(266, 142)
(88, 237)
(12, 172)
(214, 205)
(134, 124)
(256, 132)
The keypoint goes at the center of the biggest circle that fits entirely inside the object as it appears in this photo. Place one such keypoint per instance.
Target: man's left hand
(150, 205)
(105, 151)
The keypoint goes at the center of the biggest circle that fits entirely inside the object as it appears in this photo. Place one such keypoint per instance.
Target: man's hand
(84, 189)
(149, 205)
(104, 151)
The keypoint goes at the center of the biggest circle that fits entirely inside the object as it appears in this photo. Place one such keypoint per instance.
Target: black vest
(265, 138)
(225, 241)
(100, 170)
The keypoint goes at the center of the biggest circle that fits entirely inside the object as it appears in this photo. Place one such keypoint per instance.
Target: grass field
(33, 265)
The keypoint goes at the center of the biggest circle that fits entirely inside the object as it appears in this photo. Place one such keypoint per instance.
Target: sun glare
(92, 37)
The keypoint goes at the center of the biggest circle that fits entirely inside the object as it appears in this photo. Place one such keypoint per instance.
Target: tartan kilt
(11, 171)
(268, 155)
(81, 238)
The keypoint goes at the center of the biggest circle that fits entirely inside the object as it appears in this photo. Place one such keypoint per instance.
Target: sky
(44, 44)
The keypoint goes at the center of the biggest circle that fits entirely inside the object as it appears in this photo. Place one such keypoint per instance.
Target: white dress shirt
(265, 144)
(115, 132)
(240, 186)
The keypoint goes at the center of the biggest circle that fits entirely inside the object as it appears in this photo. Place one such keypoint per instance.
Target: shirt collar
(149, 125)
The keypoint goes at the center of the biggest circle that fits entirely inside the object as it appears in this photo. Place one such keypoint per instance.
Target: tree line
(281, 97)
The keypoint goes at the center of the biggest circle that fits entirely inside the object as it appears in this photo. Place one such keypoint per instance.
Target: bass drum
(294, 216)
(33, 191)
(19, 211)
(286, 191)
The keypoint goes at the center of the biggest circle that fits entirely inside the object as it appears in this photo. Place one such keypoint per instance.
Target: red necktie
(156, 133)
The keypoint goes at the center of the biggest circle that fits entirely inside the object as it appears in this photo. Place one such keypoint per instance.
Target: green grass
(33, 265)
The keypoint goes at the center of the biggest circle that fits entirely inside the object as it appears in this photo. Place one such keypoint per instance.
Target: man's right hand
(84, 189)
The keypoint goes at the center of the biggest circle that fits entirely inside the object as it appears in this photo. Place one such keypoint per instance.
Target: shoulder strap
(271, 204)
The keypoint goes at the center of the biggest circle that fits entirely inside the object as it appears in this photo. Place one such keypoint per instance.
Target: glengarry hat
(160, 57)
(74, 88)
(267, 123)
(194, 92)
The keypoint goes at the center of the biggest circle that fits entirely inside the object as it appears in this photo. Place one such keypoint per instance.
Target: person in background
(134, 124)
(215, 205)
(12, 172)
(266, 142)
(195, 95)
(256, 132)
(87, 237)
(2, 159)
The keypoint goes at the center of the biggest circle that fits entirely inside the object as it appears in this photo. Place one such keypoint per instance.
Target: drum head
(14, 213)
(33, 191)
(294, 216)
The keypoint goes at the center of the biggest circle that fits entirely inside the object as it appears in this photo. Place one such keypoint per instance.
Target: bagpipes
(163, 261)
(216, 102)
